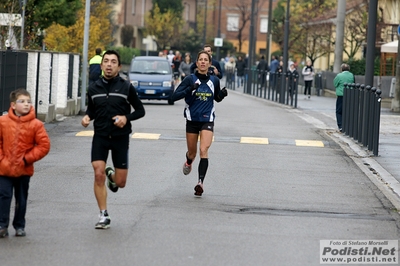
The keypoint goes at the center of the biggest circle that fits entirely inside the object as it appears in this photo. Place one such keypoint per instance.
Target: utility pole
(85, 55)
(370, 57)
(340, 17)
(205, 24)
(395, 106)
(219, 28)
(269, 32)
(251, 49)
(23, 24)
(285, 54)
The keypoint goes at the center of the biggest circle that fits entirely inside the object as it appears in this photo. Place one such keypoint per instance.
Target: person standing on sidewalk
(344, 77)
(109, 105)
(240, 68)
(23, 141)
(199, 90)
(308, 75)
(262, 69)
(273, 70)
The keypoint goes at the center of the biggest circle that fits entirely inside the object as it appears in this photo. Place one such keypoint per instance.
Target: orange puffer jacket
(23, 141)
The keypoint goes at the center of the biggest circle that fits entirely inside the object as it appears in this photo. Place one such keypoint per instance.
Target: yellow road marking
(145, 136)
(309, 143)
(254, 140)
(86, 133)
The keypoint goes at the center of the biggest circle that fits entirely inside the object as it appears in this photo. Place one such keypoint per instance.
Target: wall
(47, 81)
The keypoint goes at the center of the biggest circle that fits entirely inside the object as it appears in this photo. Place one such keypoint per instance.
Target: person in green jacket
(344, 77)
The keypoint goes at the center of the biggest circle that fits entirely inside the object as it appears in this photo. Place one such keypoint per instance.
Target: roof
(390, 47)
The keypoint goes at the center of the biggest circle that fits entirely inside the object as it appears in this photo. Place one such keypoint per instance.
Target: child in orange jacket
(23, 141)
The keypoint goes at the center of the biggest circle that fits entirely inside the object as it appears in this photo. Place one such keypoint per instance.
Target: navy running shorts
(118, 145)
(196, 127)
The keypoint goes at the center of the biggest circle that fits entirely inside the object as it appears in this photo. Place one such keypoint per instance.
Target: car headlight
(167, 84)
(135, 83)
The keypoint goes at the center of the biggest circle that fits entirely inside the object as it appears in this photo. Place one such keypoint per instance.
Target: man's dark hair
(98, 51)
(207, 45)
(113, 52)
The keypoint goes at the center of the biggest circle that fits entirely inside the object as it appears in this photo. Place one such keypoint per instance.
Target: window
(232, 22)
(133, 6)
(263, 25)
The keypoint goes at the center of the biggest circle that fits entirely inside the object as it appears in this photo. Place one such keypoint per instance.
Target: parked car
(152, 78)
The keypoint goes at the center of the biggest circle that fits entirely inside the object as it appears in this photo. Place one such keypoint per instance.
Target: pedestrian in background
(240, 68)
(273, 70)
(23, 141)
(230, 68)
(215, 68)
(109, 104)
(199, 90)
(184, 67)
(94, 67)
(292, 80)
(176, 62)
(344, 77)
(222, 65)
(308, 75)
(262, 69)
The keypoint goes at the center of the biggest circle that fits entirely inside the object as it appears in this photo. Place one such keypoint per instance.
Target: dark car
(152, 78)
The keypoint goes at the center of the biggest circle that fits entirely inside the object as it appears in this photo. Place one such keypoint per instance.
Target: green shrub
(357, 67)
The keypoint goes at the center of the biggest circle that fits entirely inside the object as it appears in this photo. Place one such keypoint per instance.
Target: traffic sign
(218, 42)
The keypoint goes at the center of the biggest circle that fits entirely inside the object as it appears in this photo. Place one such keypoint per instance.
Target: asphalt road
(277, 184)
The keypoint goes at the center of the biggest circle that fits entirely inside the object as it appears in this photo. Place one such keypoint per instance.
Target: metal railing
(270, 86)
(361, 114)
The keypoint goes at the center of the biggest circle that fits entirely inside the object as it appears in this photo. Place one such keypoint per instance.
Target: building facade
(228, 19)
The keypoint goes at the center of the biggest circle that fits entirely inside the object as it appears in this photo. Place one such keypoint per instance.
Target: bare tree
(243, 8)
(355, 33)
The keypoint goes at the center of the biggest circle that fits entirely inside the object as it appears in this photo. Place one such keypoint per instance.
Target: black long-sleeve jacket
(108, 98)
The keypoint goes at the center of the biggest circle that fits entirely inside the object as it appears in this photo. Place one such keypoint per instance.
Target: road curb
(383, 180)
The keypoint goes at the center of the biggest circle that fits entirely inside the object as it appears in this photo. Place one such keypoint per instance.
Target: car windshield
(150, 67)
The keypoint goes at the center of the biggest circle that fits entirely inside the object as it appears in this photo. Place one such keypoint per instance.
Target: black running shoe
(3, 232)
(110, 183)
(198, 189)
(104, 221)
(20, 232)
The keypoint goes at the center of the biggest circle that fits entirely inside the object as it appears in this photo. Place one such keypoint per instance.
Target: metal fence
(361, 114)
(13, 75)
(279, 87)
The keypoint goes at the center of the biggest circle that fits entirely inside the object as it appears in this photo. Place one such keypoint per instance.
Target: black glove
(224, 91)
(192, 88)
(195, 86)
